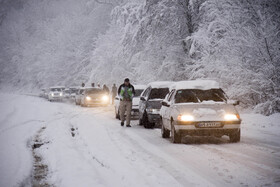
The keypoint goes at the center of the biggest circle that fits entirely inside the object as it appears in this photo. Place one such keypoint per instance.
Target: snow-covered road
(62, 144)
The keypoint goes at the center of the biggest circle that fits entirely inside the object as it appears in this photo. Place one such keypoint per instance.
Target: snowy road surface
(61, 144)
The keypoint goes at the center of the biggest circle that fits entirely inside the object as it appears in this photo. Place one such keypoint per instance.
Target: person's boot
(122, 123)
(128, 125)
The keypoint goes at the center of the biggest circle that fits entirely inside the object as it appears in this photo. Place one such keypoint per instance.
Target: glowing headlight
(52, 94)
(105, 98)
(231, 117)
(88, 98)
(185, 118)
(152, 110)
(61, 94)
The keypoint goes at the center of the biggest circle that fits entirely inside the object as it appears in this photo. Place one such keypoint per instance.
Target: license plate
(209, 124)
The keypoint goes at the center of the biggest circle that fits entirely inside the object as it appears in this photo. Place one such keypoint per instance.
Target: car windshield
(197, 96)
(56, 89)
(94, 91)
(138, 92)
(158, 93)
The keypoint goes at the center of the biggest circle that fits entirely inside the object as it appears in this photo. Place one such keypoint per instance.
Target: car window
(158, 93)
(56, 89)
(171, 95)
(145, 92)
(138, 92)
(196, 96)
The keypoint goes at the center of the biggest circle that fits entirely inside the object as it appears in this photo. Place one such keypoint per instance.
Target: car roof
(160, 84)
(196, 84)
(57, 87)
(139, 87)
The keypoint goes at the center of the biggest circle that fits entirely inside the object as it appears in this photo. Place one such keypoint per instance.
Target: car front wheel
(175, 137)
(165, 133)
(235, 136)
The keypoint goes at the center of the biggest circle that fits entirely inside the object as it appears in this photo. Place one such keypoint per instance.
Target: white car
(56, 93)
(78, 96)
(199, 108)
(135, 102)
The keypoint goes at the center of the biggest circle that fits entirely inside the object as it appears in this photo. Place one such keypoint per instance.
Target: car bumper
(194, 129)
(56, 98)
(153, 118)
(96, 103)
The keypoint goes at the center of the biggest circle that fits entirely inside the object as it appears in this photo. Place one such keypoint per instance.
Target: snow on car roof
(57, 87)
(161, 84)
(196, 84)
(138, 86)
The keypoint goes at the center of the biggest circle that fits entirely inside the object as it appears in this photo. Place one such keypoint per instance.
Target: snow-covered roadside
(87, 147)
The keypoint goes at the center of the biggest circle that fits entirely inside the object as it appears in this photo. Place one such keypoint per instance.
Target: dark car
(150, 103)
(94, 97)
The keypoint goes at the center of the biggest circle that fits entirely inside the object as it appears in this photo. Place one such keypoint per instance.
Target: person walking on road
(114, 93)
(106, 89)
(126, 92)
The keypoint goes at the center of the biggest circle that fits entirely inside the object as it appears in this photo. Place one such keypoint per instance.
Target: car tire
(146, 122)
(175, 137)
(235, 136)
(165, 133)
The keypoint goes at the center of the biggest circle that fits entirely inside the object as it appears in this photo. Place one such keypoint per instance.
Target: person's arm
(119, 90)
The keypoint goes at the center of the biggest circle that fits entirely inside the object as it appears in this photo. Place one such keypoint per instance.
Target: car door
(164, 108)
(143, 101)
(169, 109)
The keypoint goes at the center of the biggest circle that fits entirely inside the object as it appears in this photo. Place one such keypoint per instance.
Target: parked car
(78, 96)
(150, 103)
(199, 108)
(135, 102)
(43, 93)
(73, 92)
(56, 93)
(94, 97)
(67, 93)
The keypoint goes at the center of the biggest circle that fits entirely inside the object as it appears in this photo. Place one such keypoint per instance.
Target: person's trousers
(125, 106)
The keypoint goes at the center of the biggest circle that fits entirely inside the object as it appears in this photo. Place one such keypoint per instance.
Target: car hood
(206, 112)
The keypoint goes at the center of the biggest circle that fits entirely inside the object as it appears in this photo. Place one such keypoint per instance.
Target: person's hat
(126, 80)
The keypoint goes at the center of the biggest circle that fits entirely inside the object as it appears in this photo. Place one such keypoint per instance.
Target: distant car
(67, 93)
(56, 93)
(43, 93)
(135, 102)
(73, 92)
(78, 96)
(199, 108)
(150, 103)
(94, 97)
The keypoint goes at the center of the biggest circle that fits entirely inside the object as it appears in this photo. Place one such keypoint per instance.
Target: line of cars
(84, 96)
(193, 108)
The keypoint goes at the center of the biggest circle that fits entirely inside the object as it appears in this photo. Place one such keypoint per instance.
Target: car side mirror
(163, 103)
(236, 103)
(233, 102)
(142, 98)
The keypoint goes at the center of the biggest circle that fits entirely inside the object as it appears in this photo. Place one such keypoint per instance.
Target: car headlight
(88, 98)
(185, 118)
(61, 94)
(105, 98)
(231, 117)
(152, 110)
(52, 94)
